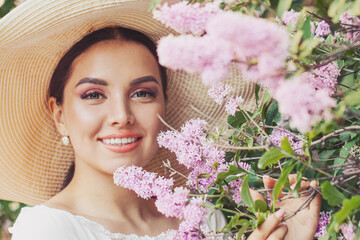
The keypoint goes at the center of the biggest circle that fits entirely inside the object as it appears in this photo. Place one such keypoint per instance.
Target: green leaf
(329, 40)
(260, 206)
(306, 28)
(270, 157)
(233, 170)
(280, 182)
(283, 6)
(331, 194)
(257, 90)
(335, 6)
(355, 10)
(348, 207)
(353, 99)
(245, 194)
(307, 46)
(154, 4)
(238, 120)
(272, 115)
(295, 42)
(245, 224)
(286, 146)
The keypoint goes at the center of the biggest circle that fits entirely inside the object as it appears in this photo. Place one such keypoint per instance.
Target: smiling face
(110, 106)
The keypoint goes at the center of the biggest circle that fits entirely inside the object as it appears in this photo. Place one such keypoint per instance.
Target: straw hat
(33, 38)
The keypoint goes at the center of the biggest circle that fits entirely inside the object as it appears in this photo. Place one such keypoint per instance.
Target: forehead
(115, 57)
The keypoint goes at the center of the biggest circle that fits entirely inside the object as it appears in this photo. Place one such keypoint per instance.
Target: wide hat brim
(33, 38)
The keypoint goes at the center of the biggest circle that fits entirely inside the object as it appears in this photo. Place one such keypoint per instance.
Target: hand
(303, 225)
(271, 229)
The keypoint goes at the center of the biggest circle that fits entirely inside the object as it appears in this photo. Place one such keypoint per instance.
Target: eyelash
(87, 95)
(152, 94)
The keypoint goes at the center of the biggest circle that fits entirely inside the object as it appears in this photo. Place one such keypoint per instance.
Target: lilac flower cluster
(235, 189)
(184, 17)
(205, 55)
(219, 91)
(145, 184)
(348, 231)
(172, 203)
(322, 29)
(233, 104)
(195, 152)
(278, 135)
(324, 220)
(296, 99)
(324, 77)
(289, 18)
(262, 51)
(352, 25)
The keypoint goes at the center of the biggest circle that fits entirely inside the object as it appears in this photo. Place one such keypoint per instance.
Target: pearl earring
(65, 140)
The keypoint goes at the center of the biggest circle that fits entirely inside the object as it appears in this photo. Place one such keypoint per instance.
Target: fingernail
(266, 176)
(280, 213)
(293, 186)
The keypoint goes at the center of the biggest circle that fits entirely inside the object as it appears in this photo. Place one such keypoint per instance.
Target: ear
(56, 111)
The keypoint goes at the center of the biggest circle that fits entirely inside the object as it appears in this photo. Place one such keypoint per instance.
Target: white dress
(45, 223)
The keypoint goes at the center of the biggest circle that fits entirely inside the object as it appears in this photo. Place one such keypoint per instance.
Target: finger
(267, 227)
(270, 182)
(279, 232)
(256, 195)
(315, 204)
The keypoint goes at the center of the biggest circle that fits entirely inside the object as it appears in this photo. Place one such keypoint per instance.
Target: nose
(120, 114)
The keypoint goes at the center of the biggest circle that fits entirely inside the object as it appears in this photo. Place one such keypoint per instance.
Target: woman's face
(110, 107)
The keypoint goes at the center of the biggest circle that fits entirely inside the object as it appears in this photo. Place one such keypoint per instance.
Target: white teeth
(119, 141)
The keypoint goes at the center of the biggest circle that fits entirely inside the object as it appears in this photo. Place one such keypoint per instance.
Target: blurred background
(10, 210)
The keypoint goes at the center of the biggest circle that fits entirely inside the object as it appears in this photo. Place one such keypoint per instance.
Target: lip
(121, 148)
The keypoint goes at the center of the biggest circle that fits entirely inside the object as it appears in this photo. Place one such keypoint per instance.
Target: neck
(92, 194)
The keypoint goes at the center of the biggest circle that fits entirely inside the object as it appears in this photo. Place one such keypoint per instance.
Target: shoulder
(42, 222)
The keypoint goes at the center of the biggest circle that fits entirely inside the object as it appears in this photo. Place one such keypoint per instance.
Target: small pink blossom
(193, 214)
(173, 204)
(324, 77)
(305, 105)
(324, 220)
(348, 231)
(261, 46)
(219, 92)
(206, 55)
(352, 25)
(235, 189)
(233, 105)
(322, 29)
(290, 18)
(279, 134)
(184, 17)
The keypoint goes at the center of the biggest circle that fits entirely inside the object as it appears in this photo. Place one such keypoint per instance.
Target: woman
(106, 90)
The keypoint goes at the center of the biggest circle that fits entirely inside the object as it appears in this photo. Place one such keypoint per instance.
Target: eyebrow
(92, 81)
(143, 79)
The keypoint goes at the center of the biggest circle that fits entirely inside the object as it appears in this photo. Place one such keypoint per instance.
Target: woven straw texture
(33, 38)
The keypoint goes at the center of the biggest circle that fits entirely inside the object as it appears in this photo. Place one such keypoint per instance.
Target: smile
(120, 141)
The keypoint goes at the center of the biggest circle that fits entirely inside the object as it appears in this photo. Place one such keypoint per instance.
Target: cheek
(81, 120)
(148, 118)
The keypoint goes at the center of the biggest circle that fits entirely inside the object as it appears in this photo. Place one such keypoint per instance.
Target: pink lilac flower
(303, 104)
(136, 179)
(219, 92)
(173, 204)
(352, 25)
(261, 46)
(278, 135)
(324, 220)
(193, 214)
(322, 29)
(206, 55)
(290, 18)
(324, 77)
(233, 105)
(348, 231)
(235, 189)
(184, 17)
